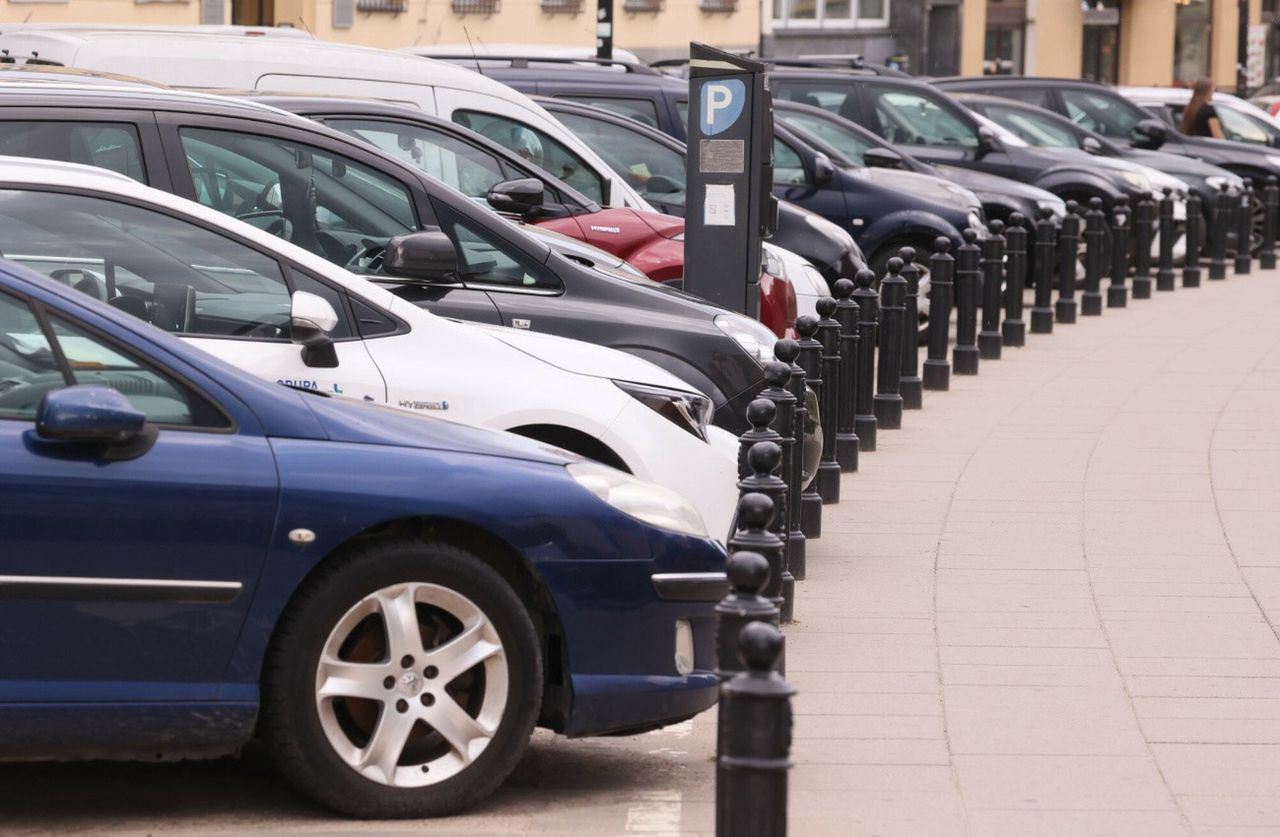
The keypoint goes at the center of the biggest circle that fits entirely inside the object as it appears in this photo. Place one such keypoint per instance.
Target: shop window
(1192, 25)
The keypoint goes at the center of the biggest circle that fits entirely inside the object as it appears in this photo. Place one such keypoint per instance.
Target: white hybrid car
(280, 312)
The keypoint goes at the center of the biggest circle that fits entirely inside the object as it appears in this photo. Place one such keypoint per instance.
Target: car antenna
(472, 46)
(305, 26)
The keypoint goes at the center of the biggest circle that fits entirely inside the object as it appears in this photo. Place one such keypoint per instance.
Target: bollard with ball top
(937, 369)
(1118, 291)
(755, 515)
(1194, 242)
(1095, 236)
(753, 740)
(1165, 280)
(909, 384)
(968, 287)
(777, 375)
(764, 459)
(1244, 229)
(1270, 222)
(868, 302)
(1068, 240)
(828, 479)
(1042, 306)
(1014, 328)
(786, 351)
(760, 415)
(846, 429)
(1144, 219)
(989, 339)
(888, 400)
(810, 360)
(748, 574)
(1218, 234)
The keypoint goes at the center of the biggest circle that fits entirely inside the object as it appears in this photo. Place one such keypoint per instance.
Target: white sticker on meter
(717, 207)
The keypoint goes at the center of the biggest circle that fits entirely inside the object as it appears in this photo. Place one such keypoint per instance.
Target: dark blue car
(191, 556)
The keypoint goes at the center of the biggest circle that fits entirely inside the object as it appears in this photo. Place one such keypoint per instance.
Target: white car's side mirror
(311, 324)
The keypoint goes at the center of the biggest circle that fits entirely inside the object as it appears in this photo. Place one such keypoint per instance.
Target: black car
(926, 123)
(654, 164)
(1046, 129)
(222, 152)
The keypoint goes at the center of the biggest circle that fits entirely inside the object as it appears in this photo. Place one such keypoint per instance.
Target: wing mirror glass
(824, 171)
(95, 415)
(882, 158)
(311, 324)
(1149, 134)
(522, 197)
(427, 256)
(988, 142)
(1091, 145)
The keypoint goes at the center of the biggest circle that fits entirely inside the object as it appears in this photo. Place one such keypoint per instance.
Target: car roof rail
(853, 64)
(522, 62)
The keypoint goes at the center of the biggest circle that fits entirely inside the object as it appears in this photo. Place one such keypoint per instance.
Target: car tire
(334, 638)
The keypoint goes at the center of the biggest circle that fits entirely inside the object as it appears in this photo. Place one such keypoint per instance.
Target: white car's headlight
(1216, 182)
(689, 411)
(1273, 160)
(1057, 206)
(653, 504)
(975, 222)
(753, 336)
(1137, 180)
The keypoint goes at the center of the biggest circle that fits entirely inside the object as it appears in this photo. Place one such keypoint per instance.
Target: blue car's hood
(365, 423)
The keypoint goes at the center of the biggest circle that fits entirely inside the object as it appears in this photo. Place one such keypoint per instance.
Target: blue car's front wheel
(403, 681)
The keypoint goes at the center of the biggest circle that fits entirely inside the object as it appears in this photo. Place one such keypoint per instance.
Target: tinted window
(1236, 125)
(643, 111)
(912, 118)
(842, 138)
(788, 168)
(833, 96)
(537, 147)
(1037, 96)
(106, 145)
(636, 157)
(28, 367)
(1104, 114)
(325, 203)
(484, 259)
(173, 274)
(1032, 128)
(464, 167)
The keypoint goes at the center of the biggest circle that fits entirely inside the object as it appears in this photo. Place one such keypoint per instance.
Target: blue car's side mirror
(95, 415)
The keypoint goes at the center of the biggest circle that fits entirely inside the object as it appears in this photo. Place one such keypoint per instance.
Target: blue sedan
(190, 556)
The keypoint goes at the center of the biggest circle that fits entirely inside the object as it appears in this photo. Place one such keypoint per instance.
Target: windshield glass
(655, 171)
(836, 133)
(1245, 127)
(1032, 129)
(1104, 113)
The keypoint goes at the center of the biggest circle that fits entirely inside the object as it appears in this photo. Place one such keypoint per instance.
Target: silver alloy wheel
(429, 693)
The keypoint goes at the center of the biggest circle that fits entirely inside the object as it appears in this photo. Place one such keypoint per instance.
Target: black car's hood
(1178, 165)
(978, 181)
(923, 186)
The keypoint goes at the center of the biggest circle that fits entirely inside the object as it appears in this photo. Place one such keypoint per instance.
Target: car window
(173, 274)
(537, 147)
(788, 167)
(104, 144)
(653, 169)
(1236, 125)
(830, 131)
(466, 168)
(484, 259)
(1032, 129)
(1102, 114)
(912, 118)
(682, 108)
(1038, 96)
(643, 111)
(836, 97)
(29, 369)
(326, 203)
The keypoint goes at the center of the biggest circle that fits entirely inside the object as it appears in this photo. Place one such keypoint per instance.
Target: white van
(196, 58)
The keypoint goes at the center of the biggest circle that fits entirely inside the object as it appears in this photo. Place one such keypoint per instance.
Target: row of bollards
(856, 368)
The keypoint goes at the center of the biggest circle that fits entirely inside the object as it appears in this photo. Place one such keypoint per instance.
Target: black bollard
(828, 480)
(1068, 241)
(888, 400)
(1218, 234)
(1165, 280)
(777, 375)
(1144, 219)
(748, 574)
(937, 369)
(1118, 291)
(868, 327)
(989, 339)
(1094, 246)
(846, 431)
(1244, 229)
(755, 515)
(910, 387)
(1042, 306)
(1014, 328)
(764, 459)
(786, 352)
(760, 415)
(810, 360)
(753, 740)
(1270, 223)
(968, 288)
(1194, 242)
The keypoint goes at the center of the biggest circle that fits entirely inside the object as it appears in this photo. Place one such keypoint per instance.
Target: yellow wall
(103, 11)
(1059, 35)
(1146, 42)
(973, 35)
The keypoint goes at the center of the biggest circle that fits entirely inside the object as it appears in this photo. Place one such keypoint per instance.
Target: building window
(642, 6)
(1100, 51)
(393, 6)
(834, 13)
(1002, 47)
(476, 7)
(712, 6)
(1192, 24)
(552, 7)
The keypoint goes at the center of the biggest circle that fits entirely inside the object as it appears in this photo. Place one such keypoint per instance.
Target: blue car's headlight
(653, 504)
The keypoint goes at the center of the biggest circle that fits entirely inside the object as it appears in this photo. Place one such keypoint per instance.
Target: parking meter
(731, 208)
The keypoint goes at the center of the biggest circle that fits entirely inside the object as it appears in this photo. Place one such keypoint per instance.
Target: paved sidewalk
(1046, 606)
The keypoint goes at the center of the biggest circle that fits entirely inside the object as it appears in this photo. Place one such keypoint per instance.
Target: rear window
(107, 145)
(538, 147)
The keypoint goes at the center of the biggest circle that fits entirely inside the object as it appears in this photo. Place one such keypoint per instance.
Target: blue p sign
(722, 103)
